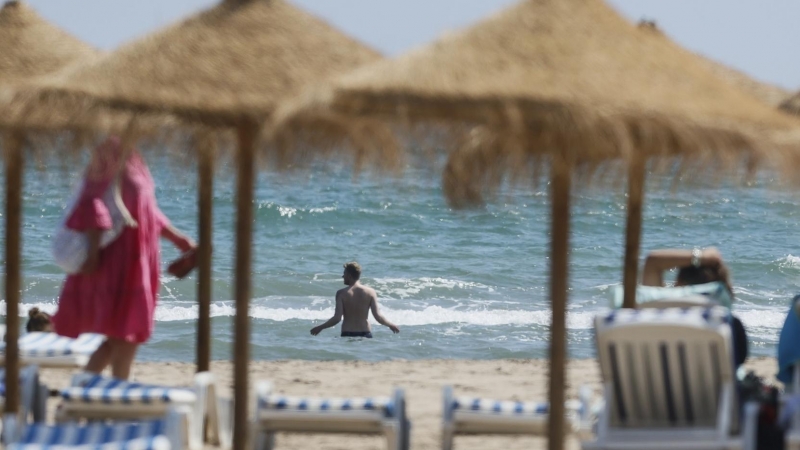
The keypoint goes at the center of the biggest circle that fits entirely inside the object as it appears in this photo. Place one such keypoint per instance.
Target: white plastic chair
(669, 382)
(98, 397)
(371, 415)
(474, 416)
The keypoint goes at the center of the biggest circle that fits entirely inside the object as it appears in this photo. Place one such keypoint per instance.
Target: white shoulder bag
(70, 247)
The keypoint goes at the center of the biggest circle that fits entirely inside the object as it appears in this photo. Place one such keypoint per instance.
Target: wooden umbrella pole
(559, 257)
(633, 230)
(14, 171)
(205, 205)
(247, 134)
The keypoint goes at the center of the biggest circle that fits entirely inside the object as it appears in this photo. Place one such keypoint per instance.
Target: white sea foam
(761, 318)
(48, 307)
(287, 211)
(405, 288)
(764, 320)
(431, 315)
(789, 261)
(322, 210)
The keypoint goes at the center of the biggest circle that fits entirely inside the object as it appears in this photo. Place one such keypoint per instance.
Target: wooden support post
(560, 184)
(247, 135)
(205, 205)
(633, 230)
(14, 171)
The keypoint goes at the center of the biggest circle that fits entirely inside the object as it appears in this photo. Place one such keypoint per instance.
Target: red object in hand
(183, 265)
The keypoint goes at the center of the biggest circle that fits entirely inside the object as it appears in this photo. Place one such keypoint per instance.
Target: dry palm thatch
(564, 81)
(766, 92)
(231, 63)
(791, 104)
(32, 47)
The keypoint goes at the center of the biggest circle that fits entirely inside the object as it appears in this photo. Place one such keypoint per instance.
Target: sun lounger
(49, 350)
(669, 381)
(469, 415)
(371, 415)
(33, 397)
(98, 397)
(158, 434)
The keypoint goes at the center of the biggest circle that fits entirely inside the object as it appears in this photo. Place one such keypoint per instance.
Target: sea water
(459, 284)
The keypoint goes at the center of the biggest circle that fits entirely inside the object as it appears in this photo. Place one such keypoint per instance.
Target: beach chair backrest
(667, 368)
(707, 294)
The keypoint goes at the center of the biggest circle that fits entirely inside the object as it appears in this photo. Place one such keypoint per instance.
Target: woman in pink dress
(116, 292)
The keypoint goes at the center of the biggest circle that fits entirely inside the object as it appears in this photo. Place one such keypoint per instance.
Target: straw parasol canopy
(31, 49)
(766, 92)
(228, 66)
(554, 70)
(568, 82)
(792, 104)
(230, 63)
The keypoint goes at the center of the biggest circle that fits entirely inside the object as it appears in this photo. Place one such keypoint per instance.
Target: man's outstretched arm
(376, 313)
(337, 317)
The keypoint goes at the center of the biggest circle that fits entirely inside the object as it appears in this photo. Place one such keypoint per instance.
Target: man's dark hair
(353, 269)
(690, 275)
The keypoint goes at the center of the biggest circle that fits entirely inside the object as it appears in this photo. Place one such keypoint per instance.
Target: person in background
(354, 304)
(696, 267)
(38, 320)
(116, 292)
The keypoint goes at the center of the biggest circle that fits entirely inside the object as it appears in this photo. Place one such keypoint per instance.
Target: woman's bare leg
(101, 358)
(122, 358)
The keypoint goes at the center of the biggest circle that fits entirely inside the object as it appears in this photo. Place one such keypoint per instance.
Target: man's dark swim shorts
(364, 334)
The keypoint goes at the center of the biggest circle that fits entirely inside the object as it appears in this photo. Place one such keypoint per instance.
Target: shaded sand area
(422, 380)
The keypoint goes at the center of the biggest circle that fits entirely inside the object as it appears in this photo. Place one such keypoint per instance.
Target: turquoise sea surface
(460, 284)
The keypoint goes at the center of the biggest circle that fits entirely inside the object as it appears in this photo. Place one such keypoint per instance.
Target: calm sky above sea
(756, 36)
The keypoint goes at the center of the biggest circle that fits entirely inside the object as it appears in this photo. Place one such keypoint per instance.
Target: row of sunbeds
(668, 382)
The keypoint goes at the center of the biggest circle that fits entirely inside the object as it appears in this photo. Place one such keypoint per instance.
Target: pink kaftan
(119, 298)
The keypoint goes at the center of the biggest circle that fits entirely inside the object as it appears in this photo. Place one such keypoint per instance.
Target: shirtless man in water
(354, 303)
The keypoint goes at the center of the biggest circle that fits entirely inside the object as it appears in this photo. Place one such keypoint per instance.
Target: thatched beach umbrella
(31, 48)
(228, 66)
(792, 104)
(766, 92)
(567, 81)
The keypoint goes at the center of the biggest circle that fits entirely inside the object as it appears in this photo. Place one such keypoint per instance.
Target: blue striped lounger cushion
(100, 389)
(37, 345)
(711, 317)
(500, 408)
(282, 402)
(146, 435)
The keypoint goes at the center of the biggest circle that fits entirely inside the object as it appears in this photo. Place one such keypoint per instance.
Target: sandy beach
(422, 380)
